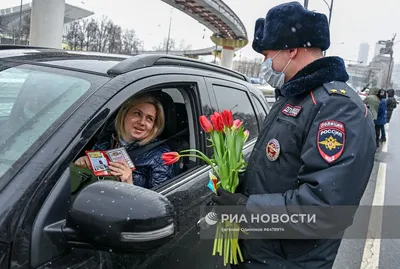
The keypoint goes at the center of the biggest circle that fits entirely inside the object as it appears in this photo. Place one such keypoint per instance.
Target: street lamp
(169, 31)
(20, 23)
(330, 7)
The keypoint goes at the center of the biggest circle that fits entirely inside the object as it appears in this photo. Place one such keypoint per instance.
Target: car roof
(104, 63)
(84, 61)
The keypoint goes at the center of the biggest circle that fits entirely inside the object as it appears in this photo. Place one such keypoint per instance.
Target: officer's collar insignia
(343, 91)
(273, 149)
(291, 111)
(334, 91)
(331, 140)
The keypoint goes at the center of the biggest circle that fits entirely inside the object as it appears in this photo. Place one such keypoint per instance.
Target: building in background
(362, 75)
(396, 76)
(383, 63)
(377, 73)
(10, 32)
(363, 53)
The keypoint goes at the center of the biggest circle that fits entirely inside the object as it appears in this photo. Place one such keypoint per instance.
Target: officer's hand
(226, 198)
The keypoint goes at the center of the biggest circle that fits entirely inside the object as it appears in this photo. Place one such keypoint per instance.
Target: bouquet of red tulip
(227, 138)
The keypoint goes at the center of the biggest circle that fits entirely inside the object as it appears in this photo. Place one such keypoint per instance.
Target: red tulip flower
(205, 124)
(227, 118)
(170, 157)
(217, 121)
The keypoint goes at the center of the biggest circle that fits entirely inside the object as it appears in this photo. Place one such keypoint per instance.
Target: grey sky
(353, 21)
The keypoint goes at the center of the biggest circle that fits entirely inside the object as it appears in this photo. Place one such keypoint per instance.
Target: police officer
(316, 147)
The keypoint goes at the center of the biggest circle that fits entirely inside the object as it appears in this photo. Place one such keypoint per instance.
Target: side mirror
(120, 217)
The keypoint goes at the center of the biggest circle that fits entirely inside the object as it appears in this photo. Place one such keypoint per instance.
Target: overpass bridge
(195, 53)
(229, 33)
(228, 30)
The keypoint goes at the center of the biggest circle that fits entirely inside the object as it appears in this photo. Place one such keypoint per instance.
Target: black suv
(53, 105)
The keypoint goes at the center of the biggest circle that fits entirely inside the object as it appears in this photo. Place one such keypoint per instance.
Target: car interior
(179, 130)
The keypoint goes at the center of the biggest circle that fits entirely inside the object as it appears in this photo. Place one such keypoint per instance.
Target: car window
(31, 102)
(175, 94)
(238, 101)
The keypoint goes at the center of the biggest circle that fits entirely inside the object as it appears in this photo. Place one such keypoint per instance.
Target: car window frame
(264, 111)
(211, 81)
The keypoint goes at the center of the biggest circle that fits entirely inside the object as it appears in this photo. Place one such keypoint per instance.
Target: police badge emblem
(273, 149)
(331, 140)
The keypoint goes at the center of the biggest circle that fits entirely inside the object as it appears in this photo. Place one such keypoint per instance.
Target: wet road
(383, 189)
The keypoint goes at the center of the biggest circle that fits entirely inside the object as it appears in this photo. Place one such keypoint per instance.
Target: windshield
(31, 102)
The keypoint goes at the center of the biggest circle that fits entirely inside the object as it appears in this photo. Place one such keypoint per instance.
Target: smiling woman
(139, 122)
(140, 119)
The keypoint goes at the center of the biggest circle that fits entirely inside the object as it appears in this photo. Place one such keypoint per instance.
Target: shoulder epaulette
(338, 88)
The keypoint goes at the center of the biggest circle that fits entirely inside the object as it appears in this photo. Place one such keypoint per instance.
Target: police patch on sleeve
(331, 140)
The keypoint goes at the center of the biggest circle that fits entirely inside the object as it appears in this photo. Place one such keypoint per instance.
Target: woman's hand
(83, 161)
(123, 171)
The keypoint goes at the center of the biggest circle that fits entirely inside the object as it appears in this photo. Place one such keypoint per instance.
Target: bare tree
(12, 29)
(26, 27)
(102, 28)
(114, 33)
(82, 33)
(2, 26)
(183, 46)
(73, 34)
(90, 33)
(130, 42)
(249, 67)
(163, 45)
(102, 35)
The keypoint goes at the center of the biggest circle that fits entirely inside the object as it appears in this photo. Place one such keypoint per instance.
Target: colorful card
(101, 159)
(212, 184)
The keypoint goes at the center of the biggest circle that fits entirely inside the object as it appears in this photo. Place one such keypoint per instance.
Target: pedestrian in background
(391, 104)
(381, 117)
(372, 102)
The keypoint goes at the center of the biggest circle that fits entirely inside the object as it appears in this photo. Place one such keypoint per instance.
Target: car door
(187, 192)
(236, 97)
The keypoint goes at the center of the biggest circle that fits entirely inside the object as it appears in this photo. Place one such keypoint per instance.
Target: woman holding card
(139, 122)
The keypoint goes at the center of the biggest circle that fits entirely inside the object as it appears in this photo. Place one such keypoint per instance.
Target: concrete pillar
(227, 57)
(47, 22)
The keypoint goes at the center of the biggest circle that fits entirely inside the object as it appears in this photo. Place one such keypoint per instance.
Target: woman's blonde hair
(159, 121)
